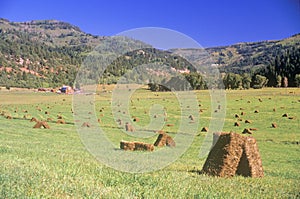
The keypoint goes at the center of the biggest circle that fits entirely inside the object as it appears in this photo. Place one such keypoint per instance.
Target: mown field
(53, 163)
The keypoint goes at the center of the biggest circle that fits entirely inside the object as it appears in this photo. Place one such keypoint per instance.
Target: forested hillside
(48, 53)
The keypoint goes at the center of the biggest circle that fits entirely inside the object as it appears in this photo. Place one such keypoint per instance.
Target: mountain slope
(48, 53)
(248, 57)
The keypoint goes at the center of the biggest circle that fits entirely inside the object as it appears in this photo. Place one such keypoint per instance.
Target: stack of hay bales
(86, 124)
(60, 121)
(40, 124)
(164, 140)
(136, 146)
(234, 154)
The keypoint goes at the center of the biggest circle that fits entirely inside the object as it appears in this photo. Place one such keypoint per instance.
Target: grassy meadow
(53, 163)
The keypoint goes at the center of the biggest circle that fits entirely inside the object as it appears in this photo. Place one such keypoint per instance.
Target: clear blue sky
(209, 22)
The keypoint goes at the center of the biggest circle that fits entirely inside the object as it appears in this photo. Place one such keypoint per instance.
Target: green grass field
(53, 163)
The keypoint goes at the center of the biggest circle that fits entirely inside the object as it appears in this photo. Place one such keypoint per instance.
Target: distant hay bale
(291, 118)
(242, 109)
(136, 119)
(253, 129)
(285, 115)
(59, 117)
(60, 121)
(236, 116)
(34, 120)
(9, 117)
(204, 129)
(136, 146)
(99, 120)
(232, 155)
(243, 113)
(40, 124)
(164, 139)
(129, 127)
(248, 121)
(191, 117)
(256, 111)
(274, 109)
(169, 125)
(47, 113)
(247, 131)
(274, 125)
(260, 99)
(236, 124)
(119, 121)
(86, 124)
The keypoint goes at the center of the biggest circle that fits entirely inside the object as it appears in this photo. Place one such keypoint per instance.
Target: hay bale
(136, 119)
(274, 109)
(285, 115)
(234, 154)
(248, 121)
(136, 146)
(274, 125)
(223, 159)
(60, 121)
(204, 129)
(243, 113)
(9, 117)
(59, 117)
(47, 113)
(86, 124)
(236, 124)
(191, 117)
(119, 121)
(40, 124)
(247, 131)
(253, 129)
(169, 125)
(256, 111)
(164, 139)
(291, 118)
(236, 116)
(129, 127)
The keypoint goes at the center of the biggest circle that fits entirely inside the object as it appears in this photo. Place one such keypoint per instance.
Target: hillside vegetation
(49, 53)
